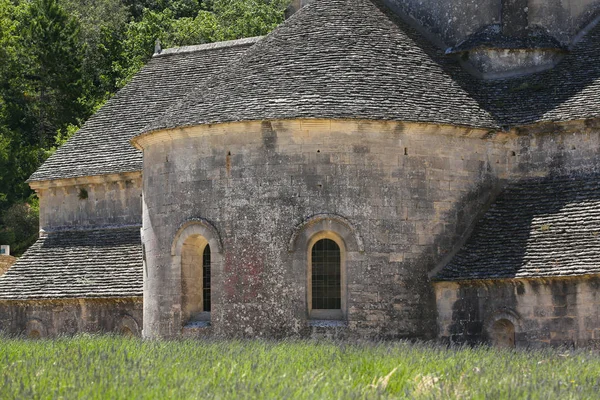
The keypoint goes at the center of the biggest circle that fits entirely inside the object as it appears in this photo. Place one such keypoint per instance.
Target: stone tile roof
(102, 145)
(569, 91)
(491, 36)
(100, 263)
(332, 59)
(536, 228)
(335, 59)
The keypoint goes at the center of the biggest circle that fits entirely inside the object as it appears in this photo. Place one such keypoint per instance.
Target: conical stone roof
(334, 59)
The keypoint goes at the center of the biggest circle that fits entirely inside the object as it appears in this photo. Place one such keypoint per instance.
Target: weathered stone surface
(90, 202)
(455, 20)
(344, 124)
(268, 180)
(539, 311)
(5, 263)
(50, 318)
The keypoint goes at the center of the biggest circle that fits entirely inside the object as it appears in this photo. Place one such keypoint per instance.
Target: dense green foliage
(117, 368)
(60, 60)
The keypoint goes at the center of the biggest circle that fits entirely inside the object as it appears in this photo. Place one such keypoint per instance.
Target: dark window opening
(503, 334)
(515, 17)
(326, 276)
(206, 279)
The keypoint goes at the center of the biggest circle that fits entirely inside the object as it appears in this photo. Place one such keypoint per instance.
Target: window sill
(325, 323)
(197, 325)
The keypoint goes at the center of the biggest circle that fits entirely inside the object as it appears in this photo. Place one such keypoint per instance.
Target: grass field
(118, 368)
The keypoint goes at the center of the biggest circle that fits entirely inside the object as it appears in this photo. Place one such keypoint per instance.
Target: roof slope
(99, 263)
(536, 228)
(102, 145)
(332, 59)
(569, 91)
(335, 59)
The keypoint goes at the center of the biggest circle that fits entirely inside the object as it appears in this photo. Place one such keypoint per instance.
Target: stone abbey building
(371, 168)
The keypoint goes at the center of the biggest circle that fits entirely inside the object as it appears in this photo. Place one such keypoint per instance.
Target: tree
(52, 62)
(57, 68)
(103, 24)
(218, 20)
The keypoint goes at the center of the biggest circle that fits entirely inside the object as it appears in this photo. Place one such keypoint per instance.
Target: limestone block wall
(50, 318)
(543, 312)
(90, 201)
(555, 149)
(453, 21)
(405, 194)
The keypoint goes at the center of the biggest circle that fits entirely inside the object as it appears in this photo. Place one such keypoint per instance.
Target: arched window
(125, 331)
(326, 275)
(515, 17)
(195, 279)
(33, 334)
(326, 278)
(503, 334)
(206, 279)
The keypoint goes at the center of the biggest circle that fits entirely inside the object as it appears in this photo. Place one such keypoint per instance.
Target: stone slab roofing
(332, 59)
(103, 263)
(569, 91)
(536, 228)
(335, 59)
(491, 36)
(102, 145)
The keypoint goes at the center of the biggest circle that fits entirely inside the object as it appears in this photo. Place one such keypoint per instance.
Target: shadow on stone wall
(537, 228)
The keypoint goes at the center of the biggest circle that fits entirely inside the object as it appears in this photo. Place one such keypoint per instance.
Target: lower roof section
(544, 227)
(98, 263)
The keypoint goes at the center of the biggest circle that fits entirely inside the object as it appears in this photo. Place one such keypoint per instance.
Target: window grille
(326, 276)
(206, 279)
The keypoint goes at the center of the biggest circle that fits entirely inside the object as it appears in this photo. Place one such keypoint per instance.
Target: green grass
(118, 368)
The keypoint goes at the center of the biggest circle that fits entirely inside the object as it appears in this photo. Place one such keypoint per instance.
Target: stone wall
(405, 195)
(50, 318)
(90, 201)
(555, 149)
(453, 21)
(543, 312)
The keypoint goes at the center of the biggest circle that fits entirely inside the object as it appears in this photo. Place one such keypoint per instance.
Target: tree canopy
(60, 60)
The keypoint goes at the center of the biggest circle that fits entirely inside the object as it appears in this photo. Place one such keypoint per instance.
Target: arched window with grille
(326, 278)
(206, 279)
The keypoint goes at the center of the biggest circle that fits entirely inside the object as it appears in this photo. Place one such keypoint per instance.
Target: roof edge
(483, 281)
(94, 228)
(59, 300)
(159, 134)
(83, 180)
(208, 46)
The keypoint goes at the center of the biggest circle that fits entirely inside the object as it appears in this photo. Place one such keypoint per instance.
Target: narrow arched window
(326, 275)
(206, 278)
(515, 17)
(503, 334)
(195, 279)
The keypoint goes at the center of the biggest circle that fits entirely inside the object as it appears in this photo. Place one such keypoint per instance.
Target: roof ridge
(208, 46)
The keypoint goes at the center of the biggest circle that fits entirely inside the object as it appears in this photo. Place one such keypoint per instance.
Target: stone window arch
(128, 326)
(503, 334)
(35, 329)
(326, 277)
(515, 17)
(336, 235)
(197, 249)
(502, 328)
